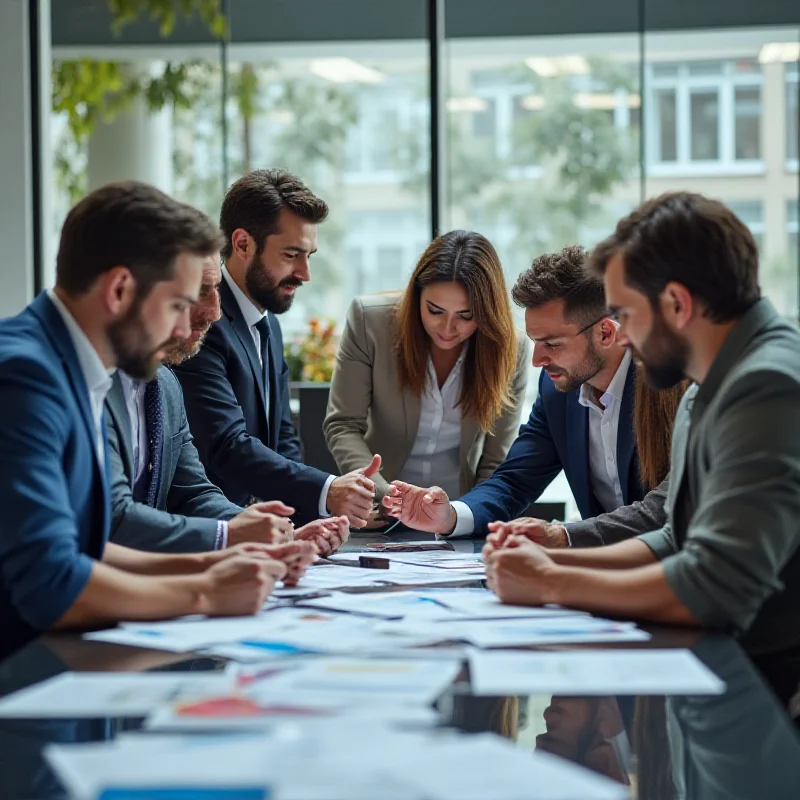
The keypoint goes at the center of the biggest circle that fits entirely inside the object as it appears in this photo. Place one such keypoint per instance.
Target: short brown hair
(469, 259)
(562, 276)
(255, 201)
(133, 225)
(692, 240)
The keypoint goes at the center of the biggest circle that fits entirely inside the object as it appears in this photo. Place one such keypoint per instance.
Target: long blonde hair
(469, 259)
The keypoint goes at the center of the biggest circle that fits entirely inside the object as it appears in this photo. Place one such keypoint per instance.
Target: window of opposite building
(705, 117)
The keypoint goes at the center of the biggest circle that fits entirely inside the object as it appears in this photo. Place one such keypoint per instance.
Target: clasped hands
(515, 555)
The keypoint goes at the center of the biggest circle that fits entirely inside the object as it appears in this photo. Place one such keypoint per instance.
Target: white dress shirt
(252, 316)
(134, 402)
(98, 378)
(603, 431)
(436, 455)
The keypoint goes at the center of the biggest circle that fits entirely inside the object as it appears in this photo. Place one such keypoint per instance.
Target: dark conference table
(742, 744)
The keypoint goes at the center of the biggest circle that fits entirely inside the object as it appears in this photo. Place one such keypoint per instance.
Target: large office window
(354, 127)
(792, 113)
(705, 114)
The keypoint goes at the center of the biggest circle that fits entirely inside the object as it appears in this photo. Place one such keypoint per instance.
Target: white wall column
(20, 174)
(137, 145)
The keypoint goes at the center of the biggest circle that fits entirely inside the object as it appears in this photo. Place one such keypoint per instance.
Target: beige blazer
(367, 412)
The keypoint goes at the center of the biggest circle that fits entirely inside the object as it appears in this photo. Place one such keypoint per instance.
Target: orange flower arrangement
(311, 357)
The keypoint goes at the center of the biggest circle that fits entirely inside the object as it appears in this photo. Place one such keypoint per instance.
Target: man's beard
(664, 355)
(265, 292)
(135, 356)
(586, 370)
(184, 349)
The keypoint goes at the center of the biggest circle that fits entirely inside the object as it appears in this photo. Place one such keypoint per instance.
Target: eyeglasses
(607, 315)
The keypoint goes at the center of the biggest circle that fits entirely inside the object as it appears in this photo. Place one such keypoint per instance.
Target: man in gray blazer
(161, 497)
(681, 273)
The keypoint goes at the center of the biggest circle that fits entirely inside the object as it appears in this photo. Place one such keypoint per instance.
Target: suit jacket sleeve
(529, 468)
(506, 428)
(648, 514)
(225, 446)
(42, 566)
(288, 442)
(350, 398)
(141, 527)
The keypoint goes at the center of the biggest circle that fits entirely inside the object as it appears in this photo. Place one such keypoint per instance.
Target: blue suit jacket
(246, 452)
(53, 493)
(555, 437)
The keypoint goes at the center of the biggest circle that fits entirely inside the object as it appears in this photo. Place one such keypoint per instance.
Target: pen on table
(366, 562)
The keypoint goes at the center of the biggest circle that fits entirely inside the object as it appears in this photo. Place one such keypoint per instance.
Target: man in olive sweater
(681, 273)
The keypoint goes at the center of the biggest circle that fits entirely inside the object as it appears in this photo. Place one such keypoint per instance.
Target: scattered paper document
(482, 604)
(590, 672)
(110, 694)
(362, 680)
(485, 766)
(516, 632)
(241, 712)
(324, 760)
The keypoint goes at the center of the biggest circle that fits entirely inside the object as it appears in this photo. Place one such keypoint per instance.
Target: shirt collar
(98, 378)
(250, 313)
(615, 389)
(130, 386)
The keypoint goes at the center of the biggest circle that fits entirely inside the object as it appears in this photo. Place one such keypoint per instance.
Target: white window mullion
(683, 123)
(726, 123)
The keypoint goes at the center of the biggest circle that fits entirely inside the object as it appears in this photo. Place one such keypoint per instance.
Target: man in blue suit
(236, 389)
(581, 422)
(128, 270)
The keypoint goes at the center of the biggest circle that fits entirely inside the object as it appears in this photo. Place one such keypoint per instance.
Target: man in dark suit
(236, 388)
(128, 269)
(581, 422)
(161, 499)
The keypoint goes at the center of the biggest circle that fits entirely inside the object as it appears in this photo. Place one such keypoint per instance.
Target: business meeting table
(740, 744)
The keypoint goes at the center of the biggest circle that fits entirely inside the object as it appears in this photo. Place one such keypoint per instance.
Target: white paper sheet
(312, 761)
(210, 714)
(485, 766)
(590, 672)
(516, 632)
(109, 694)
(362, 680)
(483, 604)
(333, 760)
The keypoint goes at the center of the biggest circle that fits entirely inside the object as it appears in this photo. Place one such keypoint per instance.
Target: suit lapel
(680, 444)
(469, 430)
(231, 309)
(118, 409)
(625, 438)
(58, 334)
(577, 419)
(411, 411)
(275, 363)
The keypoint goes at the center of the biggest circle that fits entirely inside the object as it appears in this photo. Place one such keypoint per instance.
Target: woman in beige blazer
(432, 378)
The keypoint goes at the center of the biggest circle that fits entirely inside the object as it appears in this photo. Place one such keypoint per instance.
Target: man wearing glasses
(581, 422)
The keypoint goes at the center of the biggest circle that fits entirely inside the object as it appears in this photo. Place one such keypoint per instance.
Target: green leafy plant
(89, 91)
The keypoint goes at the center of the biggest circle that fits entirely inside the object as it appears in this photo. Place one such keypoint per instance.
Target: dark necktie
(145, 489)
(264, 332)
